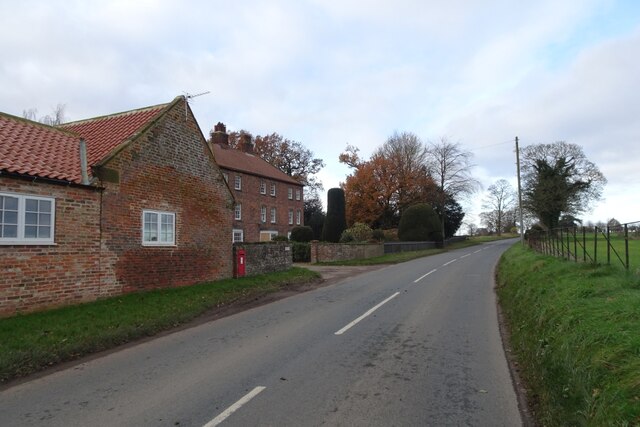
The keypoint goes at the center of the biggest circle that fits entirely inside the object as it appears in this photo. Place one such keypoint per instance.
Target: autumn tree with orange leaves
(394, 178)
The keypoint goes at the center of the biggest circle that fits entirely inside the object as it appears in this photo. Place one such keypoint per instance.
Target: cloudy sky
(329, 73)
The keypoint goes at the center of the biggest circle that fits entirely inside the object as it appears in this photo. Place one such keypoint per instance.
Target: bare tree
(57, 116)
(450, 166)
(499, 200)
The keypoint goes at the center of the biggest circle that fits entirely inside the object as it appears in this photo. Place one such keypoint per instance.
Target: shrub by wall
(419, 223)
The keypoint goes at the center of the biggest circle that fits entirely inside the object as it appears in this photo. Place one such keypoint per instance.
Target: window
(263, 187)
(298, 217)
(290, 193)
(26, 219)
(267, 236)
(226, 176)
(238, 182)
(238, 214)
(263, 214)
(290, 216)
(238, 236)
(273, 215)
(297, 194)
(273, 190)
(158, 228)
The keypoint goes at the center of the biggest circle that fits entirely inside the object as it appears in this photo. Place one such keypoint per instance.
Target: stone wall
(263, 258)
(326, 252)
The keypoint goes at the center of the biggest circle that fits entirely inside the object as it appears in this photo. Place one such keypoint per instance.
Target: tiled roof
(105, 134)
(31, 148)
(229, 158)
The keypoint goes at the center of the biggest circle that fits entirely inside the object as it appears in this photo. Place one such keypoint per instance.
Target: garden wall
(263, 258)
(326, 252)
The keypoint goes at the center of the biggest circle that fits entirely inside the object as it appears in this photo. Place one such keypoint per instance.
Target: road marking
(368, 313)
(477, 251)
(422, 277)
(464, 256)
(447, 263)
(233, 408)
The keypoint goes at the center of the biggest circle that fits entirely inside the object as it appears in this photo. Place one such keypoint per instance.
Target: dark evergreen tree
(419, 223)
(314, 216)
(301, 233)
(453, 216)
(335, 222)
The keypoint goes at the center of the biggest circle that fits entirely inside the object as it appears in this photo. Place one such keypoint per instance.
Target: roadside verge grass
(32, 342)
(575, 331)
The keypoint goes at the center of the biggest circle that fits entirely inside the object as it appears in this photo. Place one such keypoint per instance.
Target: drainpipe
(83, 162)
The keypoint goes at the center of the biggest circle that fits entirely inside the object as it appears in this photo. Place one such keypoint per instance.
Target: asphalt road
(415, 344)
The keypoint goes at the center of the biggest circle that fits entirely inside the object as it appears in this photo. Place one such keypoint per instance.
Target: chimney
(219, 135)
(245, 143)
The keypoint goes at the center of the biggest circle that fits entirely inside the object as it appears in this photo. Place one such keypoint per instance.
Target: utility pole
(519, 193)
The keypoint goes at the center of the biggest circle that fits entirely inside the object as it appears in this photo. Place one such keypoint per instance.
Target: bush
(347, 237)
(280, 238)
(358, 233)
(335, 222)
(420, 223)
(301, 251)
(301, 233)
(378, 235)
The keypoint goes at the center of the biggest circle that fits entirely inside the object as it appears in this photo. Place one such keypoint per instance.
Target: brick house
(150, 209)
(268, 201)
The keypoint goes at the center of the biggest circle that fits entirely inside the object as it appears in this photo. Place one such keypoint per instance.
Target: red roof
(31, 148)
(229, 158)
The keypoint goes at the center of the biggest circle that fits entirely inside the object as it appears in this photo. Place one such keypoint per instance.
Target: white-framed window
(238, 212)
(290, 193)
(273, 189)
(298, 217)
(263, 214)
(238, 235)
(273, 215)
(158, 228)
(298, 194)
(290, 216)
(267, 236)
(238, 182)
(26, 220)
(226, 176)
(263, 187)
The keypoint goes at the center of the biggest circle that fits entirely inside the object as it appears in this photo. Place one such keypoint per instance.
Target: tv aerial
(189, 96)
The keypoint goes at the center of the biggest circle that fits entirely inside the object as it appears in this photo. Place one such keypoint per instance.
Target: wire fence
(615, 244)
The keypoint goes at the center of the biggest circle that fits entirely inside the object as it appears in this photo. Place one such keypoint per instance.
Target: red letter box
(240, 263)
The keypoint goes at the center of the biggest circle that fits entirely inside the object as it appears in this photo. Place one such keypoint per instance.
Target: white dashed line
(477, 251)
(423, 276)
(447, 263)
(371, 310)
(233, 408)
(464, 256)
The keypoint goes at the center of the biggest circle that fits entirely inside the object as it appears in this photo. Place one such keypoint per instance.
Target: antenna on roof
(189, 96)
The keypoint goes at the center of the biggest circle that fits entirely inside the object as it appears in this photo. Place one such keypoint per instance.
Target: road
(413, 344)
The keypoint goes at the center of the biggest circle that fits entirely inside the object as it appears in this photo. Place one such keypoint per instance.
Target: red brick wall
(252, 201)
(170, 168)
(37, 276)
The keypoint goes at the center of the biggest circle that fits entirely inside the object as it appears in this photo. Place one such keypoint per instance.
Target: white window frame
(290, 193)
(20, 239)
(298, 194)
(263, 214)
(160, 215)
(273, 189)
(238, 212)
(274, 214)
(238, 183)
(233, 235)
(290, 216)
(298, 217)
(263, 187)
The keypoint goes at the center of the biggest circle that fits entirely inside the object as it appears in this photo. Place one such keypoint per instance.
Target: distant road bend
(414, 344)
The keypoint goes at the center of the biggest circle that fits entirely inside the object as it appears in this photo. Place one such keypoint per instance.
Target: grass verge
(575, 331)
(32, 342)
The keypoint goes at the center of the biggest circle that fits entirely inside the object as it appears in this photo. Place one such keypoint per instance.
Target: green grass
(575, 331)
(31, 342)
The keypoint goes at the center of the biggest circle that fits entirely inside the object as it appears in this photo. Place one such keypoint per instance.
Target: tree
(335, 221)
(558, 179)
(57, 116)
(291, 157)
(500, 199)
(419, 223)
(453, 216)
(450, 166)
(314, 215)
(394, 178)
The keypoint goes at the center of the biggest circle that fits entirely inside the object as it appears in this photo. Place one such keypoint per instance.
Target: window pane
(30, 231)
(44, 232)
(31, 218)
(9, 217)
(31, 205)
(45, 206)
(44, 219)
(10, 203)
(9, 231)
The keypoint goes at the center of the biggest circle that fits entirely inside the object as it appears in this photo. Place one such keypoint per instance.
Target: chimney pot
(219, 135)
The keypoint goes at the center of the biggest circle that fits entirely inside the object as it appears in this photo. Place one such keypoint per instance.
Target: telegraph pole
(519, 193)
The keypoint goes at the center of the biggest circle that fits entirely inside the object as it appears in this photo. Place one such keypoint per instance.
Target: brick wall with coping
(327, 252)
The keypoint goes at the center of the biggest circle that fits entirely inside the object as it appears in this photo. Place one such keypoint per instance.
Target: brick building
(268, 201)
(150, 209)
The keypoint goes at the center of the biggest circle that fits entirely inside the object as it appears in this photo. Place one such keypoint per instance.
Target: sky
(329, 73)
